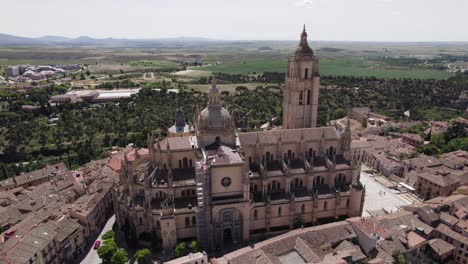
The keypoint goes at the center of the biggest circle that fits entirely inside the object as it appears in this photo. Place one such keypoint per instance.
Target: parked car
(97, 244)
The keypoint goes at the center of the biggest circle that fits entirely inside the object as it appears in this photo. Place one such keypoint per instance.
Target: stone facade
(301, 88)
(219, 186)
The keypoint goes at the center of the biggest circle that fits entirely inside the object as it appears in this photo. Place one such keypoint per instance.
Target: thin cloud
(305, 3)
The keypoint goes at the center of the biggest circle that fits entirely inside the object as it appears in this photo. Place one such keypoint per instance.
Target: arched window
(255, 214)
(306, 74)
(308, 97)
(275, 185)
(310, 152)
(318, 181)
(187, 221)
(194, 220)
(158, 224)
(268, 155)
(302, 208)
(325, 206)
(289, 154)
(301, 95)
(253, 188)
(190, 163)
(250, 160)
(193, 193)
(180, 164)
(279, 211)
(183, 193)
(340, 179)
(141, 221)
(185, 161)
(331, 151)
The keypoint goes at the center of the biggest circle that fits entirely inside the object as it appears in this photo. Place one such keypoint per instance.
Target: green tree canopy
(119, 257)
(179, 250)
(143, 256)
(398, 258)
(107, 250)
(193, 246)
(108, 235)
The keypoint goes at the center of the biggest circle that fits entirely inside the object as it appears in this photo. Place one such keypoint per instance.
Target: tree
(108, 235)
(455, 130)
(143, 256)
(119, 257)
(179, 250)
(107, 250)
(88, 73)
(82, 76)
(398, 258)
(193, 246)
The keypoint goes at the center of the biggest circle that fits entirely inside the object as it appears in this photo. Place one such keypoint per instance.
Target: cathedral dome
(214, 116)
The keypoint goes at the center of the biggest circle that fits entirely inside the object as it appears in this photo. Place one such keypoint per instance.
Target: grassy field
(334, 67)
(153, 64)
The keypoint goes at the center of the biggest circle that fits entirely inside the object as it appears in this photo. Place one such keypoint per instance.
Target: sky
(326, 20)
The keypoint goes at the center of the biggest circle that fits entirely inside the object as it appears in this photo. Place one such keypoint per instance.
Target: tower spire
(213, 95)
(304, 38)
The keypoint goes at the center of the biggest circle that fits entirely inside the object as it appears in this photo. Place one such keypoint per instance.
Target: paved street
(92, 257)
(379, 197)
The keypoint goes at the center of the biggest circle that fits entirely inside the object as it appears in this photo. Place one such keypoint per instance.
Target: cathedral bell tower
(301, 88)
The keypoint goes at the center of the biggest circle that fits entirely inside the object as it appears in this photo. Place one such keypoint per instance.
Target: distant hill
(10, 40)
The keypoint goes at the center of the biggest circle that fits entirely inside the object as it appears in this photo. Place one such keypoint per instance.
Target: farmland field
(382, 60)
(333, 67)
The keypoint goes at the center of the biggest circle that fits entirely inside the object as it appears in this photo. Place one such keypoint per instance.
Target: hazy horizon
(241, 20)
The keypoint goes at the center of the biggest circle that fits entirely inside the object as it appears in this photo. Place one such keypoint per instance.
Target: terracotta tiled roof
(308, 242)
(448, 219)
(439, 178)
(440, 247)
(176, 143)
(289, 135)
(414, 240)
(447, 231)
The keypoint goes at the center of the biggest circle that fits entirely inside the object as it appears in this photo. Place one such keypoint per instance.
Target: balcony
(184, 202)
(274, 165)
(183, 174)
(300, 192)
(278, 195)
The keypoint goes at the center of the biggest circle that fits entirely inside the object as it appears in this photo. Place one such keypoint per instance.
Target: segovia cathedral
(211, 183)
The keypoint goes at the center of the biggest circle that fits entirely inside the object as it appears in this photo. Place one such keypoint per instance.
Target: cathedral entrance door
(227, 236)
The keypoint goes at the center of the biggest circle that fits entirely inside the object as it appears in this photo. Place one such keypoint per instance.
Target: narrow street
(92, 256)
